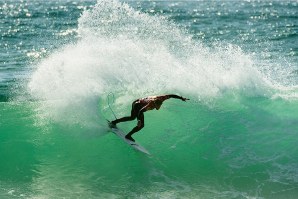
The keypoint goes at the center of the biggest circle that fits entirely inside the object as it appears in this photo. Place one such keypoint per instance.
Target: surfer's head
(158, 104)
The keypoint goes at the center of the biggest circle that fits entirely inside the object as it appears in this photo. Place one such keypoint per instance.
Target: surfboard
(135, 145)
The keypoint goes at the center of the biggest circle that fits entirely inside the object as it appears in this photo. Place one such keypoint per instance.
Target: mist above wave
(134, 54)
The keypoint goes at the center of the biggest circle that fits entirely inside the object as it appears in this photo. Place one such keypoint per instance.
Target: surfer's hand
(184, 99)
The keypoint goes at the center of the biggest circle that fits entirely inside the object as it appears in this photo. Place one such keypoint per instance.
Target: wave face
(235, 138)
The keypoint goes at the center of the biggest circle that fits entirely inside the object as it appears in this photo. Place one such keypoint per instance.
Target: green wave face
(227, 148)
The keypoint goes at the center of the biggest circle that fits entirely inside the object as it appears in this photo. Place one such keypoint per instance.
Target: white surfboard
(135, 145)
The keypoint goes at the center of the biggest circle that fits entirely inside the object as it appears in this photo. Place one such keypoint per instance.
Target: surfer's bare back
(140, 106)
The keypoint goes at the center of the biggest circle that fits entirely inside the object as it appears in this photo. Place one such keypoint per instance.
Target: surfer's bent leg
(140, 125)
(132, 116)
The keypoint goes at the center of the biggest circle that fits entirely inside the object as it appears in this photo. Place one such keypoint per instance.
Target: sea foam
(133, 54)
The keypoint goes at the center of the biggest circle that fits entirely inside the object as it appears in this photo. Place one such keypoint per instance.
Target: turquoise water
(235, 60)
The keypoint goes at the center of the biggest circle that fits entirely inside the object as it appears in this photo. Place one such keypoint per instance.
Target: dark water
(235, 60)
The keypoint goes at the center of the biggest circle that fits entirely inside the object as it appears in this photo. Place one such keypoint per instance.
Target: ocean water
(62, 62)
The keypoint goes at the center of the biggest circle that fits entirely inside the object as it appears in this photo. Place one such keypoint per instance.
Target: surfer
(140, 106)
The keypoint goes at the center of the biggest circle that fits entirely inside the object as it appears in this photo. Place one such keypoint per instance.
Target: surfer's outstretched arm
(165, 97)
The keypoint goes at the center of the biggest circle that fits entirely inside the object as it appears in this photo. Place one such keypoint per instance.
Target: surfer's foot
(112, 125)
(129, 138)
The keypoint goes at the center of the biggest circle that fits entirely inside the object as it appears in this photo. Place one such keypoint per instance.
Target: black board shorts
(135, 110)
